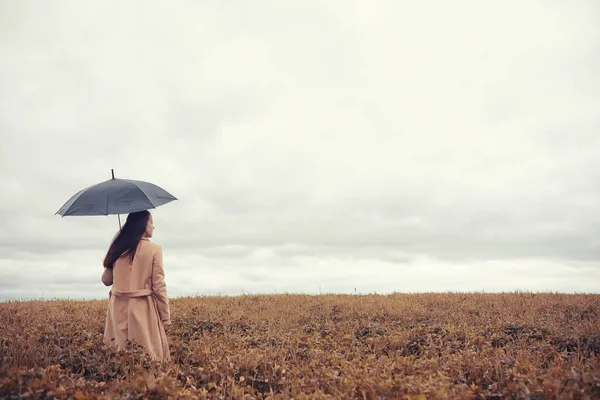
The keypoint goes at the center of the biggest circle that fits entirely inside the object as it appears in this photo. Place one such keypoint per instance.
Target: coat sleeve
(159, 287)
(107, 276)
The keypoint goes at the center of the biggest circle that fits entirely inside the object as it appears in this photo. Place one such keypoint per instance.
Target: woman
(138, 306)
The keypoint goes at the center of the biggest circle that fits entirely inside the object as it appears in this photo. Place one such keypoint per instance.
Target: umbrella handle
(112, 171)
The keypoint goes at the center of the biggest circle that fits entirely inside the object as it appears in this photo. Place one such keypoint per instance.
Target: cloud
(307, 133)
(275, 270)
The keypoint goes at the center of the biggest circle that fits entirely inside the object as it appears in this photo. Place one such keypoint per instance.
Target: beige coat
(138, 306)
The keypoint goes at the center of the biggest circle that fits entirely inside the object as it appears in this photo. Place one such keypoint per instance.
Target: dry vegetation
(473, 346)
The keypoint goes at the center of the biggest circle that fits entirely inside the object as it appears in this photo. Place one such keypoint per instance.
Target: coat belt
(131, 293)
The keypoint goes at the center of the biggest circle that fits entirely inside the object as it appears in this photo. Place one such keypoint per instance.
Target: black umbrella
(116, 196)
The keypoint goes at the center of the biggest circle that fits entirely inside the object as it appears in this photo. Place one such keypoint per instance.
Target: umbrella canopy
(116, 196)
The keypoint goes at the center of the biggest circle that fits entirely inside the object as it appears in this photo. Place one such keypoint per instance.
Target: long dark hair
(128, 238)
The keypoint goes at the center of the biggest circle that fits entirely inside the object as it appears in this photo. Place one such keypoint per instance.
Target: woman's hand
(168, 326)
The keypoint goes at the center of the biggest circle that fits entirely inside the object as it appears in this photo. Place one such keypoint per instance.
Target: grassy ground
(400, 346)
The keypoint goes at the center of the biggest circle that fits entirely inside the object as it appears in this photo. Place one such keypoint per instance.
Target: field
(399, 346)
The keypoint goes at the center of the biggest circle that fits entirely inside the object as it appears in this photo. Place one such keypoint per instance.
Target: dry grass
(475, 346)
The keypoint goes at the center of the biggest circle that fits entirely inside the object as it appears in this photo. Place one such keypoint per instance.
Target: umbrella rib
(144, 193)
(71, 200)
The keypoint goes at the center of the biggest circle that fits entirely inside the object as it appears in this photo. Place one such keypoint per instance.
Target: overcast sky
(314, 146)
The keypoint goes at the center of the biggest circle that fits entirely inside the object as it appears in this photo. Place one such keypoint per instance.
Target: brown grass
(400, 346)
